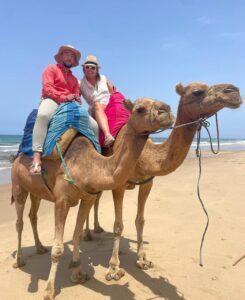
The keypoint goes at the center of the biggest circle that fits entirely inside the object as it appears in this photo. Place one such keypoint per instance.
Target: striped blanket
(67, 115)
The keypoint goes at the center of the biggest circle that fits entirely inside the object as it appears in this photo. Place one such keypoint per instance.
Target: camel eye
(197, 92)
(141, 110)
(229, 90)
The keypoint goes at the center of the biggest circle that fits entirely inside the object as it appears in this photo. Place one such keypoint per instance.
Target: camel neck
(169, 155)
(110, 172)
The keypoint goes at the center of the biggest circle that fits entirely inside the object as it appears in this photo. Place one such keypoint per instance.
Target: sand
(173, 230)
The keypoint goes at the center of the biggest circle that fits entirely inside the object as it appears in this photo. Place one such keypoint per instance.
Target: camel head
(200, 100)
(149, 115)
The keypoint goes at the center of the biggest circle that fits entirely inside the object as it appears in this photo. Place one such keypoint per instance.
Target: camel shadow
(103, 243)
(95, 253)
(38, 266)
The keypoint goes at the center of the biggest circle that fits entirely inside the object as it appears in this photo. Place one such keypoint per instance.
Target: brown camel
(91, 173)
(196, 100)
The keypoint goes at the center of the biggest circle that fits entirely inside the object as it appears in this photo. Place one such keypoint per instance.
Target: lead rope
(205, 124)
(67, 175)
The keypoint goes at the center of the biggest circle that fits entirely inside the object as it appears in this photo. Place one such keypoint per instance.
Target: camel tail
(12, 199)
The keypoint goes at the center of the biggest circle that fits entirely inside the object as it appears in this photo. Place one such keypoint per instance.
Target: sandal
(109, 140)
(35, 169)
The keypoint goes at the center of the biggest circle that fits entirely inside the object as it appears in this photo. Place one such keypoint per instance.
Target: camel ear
(179, 89)
(128, 104)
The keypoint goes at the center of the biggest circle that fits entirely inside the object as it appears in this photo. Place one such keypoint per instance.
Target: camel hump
(64, 141)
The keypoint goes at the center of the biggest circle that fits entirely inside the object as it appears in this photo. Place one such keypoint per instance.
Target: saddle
(69, 120)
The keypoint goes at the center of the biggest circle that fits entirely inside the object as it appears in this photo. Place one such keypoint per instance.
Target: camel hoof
(19, 263)
(87, 236)
(98, 229)
(119, 275)
(108, 277)
(79, 278)
(47, 297)
(41, 249)
(116, 275)
(144, 265)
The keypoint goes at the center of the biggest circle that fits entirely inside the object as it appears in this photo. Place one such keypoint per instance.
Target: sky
(144, 48)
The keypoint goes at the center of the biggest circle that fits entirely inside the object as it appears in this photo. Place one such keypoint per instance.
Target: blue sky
(144, 47)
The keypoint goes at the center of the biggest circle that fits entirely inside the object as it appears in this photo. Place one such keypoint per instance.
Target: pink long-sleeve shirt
(58, 83)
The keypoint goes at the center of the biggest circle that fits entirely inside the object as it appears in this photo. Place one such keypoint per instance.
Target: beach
(173, 230)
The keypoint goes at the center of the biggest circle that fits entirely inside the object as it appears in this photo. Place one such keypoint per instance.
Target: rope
(138, 182)
(67, 175)
(198, 121)
(205, 124)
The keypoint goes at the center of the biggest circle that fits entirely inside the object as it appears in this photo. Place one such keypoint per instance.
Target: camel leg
(19, 200)
(77, 275)
(61, 211)
(114, 272)
(35, 203)
(143, 194)
(87, 236)
(97, 227)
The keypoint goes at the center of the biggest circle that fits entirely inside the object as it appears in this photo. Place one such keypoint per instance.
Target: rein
(199, 121)
(204, 124)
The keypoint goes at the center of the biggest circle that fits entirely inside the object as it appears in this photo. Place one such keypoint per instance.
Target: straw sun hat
(57, 57)
(91, 60)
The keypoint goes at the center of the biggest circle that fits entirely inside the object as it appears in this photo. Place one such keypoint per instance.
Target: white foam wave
(5, 168)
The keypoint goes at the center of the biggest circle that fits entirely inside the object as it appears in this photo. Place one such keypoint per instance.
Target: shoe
(35, 169)
(109, 140)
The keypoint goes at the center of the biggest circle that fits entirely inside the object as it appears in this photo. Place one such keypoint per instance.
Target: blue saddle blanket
(67, 115)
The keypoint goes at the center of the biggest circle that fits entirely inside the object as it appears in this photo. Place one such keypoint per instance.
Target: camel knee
(19, 225)
(33, 218)
(139, 222)
(118, 228)
(57, 252)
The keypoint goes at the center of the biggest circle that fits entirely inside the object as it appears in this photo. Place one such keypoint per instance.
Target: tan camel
(197, 100)
(91, 173)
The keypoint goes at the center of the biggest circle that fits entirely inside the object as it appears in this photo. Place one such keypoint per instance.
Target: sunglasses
(88, 67)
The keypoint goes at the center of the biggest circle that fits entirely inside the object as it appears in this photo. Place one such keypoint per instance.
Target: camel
(91, 173)
(197, 100)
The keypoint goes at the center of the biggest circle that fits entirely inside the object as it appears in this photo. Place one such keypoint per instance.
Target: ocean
(9, 144)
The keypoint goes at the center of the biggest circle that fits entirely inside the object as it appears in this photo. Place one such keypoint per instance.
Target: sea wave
(222, 143)
(5, 168)
(9, 148)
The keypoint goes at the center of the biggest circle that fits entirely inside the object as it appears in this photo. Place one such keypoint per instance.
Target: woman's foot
(109, 140)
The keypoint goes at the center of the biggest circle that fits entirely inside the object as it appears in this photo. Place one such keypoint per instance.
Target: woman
(96, 90)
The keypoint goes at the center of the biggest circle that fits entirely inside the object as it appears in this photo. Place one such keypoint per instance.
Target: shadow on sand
(94, 253)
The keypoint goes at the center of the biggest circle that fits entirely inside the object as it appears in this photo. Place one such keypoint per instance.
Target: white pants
(45, 113)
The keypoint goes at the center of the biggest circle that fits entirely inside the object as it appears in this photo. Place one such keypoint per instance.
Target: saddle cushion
(117, 115)
(70, 115)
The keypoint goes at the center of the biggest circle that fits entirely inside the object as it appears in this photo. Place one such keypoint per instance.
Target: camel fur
(91, 173)
(197, 100)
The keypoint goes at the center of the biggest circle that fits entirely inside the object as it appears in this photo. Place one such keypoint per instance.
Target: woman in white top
(95, 89)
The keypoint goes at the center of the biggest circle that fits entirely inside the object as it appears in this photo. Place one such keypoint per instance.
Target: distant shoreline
(5, 175)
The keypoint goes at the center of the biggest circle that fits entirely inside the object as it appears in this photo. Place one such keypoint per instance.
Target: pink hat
(57, 56)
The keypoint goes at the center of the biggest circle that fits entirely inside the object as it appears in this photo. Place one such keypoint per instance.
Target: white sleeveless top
(98, 93)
